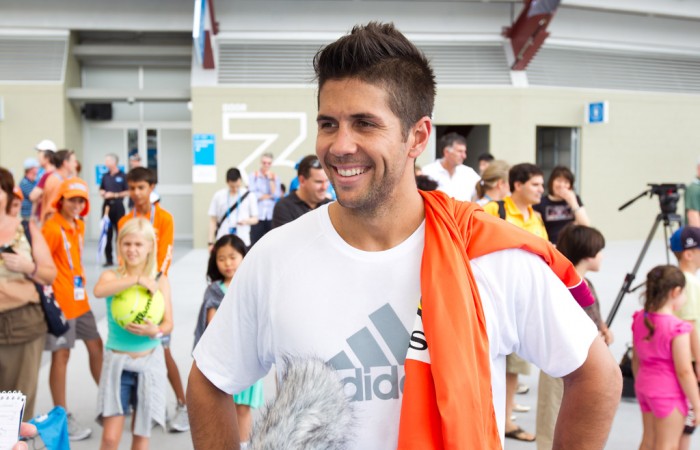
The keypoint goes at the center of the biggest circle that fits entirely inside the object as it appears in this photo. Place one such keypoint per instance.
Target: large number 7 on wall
(267, 139)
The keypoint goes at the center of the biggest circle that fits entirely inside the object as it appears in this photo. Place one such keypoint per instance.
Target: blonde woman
(493, 185)
(134, 361)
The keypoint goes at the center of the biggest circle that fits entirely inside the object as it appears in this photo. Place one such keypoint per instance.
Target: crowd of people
(43, 234)
(467, 280)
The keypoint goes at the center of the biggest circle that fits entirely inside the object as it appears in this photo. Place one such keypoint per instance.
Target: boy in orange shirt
(64, 234)
(141, 182)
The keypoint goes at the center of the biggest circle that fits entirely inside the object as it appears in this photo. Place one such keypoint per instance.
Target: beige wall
(207, 118)
(39, 111)
(650, 138)
(32, 113)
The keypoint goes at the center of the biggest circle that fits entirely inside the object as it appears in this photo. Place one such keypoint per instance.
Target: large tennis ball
(135, 304)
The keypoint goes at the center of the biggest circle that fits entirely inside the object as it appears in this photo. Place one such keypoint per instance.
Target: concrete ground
(187, 276)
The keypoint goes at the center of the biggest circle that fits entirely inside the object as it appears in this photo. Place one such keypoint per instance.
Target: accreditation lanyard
(153, 213)
(78, 284)
(228, 210)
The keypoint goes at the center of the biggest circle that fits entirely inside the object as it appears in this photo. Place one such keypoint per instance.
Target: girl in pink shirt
(664, 378)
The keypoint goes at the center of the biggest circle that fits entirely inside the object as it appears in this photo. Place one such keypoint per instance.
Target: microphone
(310, 412)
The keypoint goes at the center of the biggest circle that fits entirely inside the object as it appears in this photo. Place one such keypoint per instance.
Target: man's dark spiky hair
(380, 55)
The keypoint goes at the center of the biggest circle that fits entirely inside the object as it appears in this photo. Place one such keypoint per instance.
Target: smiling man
(355, 282)
(312, 193)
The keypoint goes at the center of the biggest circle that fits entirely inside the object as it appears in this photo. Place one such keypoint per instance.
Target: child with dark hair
(664, 378)
(583, 246)
(225, 257)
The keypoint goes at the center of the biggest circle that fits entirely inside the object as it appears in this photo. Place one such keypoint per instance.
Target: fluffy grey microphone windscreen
(310, 412)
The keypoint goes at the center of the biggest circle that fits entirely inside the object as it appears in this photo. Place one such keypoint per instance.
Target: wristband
(158, 335)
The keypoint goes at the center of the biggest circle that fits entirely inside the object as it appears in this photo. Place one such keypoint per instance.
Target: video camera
(668, 201)
(668, 195)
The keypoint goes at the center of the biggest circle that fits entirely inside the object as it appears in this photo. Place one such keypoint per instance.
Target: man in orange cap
(64, 234)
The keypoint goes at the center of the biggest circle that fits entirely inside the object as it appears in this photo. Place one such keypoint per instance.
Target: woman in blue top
(224, 259)
(133, 371)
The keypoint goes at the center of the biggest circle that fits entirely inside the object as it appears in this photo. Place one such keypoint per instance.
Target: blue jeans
(128, 396)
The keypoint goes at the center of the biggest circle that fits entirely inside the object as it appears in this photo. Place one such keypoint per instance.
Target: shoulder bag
(230, 210)
(55, 320)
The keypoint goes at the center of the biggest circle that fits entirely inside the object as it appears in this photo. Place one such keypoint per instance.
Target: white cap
(46, 146)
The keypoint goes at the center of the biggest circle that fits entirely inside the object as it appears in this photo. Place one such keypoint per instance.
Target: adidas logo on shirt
(373, 368)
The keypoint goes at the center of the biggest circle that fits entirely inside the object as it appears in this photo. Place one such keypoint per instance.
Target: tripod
(667, 220)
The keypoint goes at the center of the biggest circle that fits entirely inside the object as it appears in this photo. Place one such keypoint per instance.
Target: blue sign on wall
(204, 158)
(101, 169)
(597, 112)
(204, 149)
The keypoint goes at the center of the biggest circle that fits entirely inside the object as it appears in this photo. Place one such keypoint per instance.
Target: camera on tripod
(668, 202)
(668, 195)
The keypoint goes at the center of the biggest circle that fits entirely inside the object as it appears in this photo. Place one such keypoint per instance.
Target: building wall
(650, 138)
(73, 119)
(32, 113)
(36, 111)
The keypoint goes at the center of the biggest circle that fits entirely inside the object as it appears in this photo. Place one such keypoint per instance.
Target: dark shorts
(127, 394)
(83, 327)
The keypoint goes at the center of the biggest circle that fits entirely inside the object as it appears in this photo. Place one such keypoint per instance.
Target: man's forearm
(693, 218)
(212, 414)
(591, 395)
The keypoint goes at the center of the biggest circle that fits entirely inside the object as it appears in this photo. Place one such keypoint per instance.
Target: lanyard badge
(78, 282)
(78, 288)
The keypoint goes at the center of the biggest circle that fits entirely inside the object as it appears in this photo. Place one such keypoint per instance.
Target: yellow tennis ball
(135, 305)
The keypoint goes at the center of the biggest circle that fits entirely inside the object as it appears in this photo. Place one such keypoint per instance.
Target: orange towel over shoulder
(447, 404)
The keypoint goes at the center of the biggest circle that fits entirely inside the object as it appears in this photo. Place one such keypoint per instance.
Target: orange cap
(18, 192)
(71, 188)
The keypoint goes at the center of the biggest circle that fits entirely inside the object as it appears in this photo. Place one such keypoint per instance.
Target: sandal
(520, 435)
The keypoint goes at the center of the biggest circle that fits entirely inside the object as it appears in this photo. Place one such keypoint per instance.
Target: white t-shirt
(356, 310)
(461, 185)
(248, 207)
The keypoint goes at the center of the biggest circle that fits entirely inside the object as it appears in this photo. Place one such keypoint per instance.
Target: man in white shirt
(452, 176)
(233, 210)
(344, 282)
